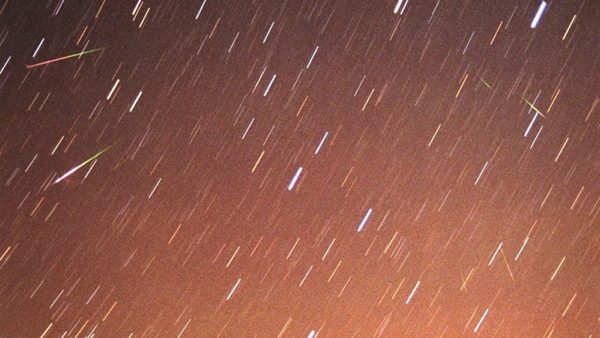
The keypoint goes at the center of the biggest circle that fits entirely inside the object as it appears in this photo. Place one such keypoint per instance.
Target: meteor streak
(72, 171)
(485, 83)
(63, 58)
(534, 108)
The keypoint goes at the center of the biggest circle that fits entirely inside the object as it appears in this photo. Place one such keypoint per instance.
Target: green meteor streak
(534, 108)
(72, 171)
(64, 58)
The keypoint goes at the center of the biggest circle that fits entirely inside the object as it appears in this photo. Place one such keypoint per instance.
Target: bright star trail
(309, 168)
(538, 14)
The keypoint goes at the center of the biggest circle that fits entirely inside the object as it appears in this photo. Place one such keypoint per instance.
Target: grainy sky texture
(303, 168)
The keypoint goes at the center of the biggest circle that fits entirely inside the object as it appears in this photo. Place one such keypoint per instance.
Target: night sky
(332, 168)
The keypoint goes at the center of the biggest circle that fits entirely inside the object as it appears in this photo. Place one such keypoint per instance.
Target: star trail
(310, 168)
